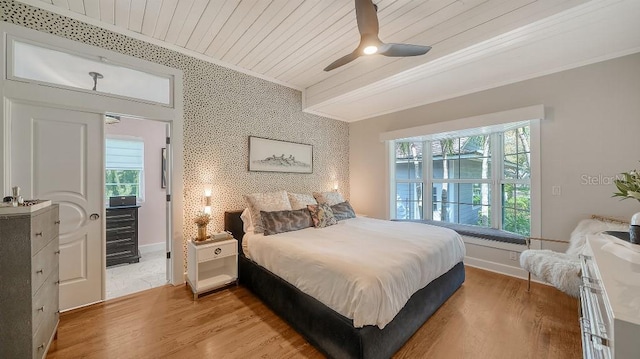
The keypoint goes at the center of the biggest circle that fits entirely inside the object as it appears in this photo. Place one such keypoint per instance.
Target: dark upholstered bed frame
(330, 332)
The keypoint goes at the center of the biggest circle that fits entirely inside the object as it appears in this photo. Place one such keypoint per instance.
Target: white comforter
(365, 269)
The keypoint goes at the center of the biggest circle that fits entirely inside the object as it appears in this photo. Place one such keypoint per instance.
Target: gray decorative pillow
(329, 198)
(343, 211)
(285, 221)
(322, 215)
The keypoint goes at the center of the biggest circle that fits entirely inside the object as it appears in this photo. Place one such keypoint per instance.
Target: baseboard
(500, 268)
(153, 247)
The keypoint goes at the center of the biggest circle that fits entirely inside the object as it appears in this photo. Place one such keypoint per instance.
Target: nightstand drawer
(217, 251)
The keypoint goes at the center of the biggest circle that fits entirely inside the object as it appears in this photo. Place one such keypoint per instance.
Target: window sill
(475, 231)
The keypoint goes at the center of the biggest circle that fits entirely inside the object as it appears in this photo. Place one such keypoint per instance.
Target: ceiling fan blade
(367, 17)
(402, 50)
(343, 60)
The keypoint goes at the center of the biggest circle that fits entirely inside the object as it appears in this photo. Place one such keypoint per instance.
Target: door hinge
(168, 255)
(168, 140)
(168, 198)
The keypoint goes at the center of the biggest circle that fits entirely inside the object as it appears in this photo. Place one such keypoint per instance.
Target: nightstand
(212, 265)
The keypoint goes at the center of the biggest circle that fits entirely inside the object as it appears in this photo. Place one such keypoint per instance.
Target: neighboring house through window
(124, 170)
(479, 177)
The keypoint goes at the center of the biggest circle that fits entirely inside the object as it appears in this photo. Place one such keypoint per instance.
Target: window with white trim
(124, 170)
(473, 177)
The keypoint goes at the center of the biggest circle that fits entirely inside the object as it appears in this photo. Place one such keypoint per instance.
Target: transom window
(480, 179)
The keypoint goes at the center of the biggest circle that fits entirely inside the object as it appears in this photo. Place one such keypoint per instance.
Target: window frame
(140, 198)
(496, 181)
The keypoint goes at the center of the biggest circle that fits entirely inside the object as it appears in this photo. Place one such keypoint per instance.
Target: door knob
(94, 216)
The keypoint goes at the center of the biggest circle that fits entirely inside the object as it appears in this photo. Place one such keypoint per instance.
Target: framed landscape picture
(267, 155)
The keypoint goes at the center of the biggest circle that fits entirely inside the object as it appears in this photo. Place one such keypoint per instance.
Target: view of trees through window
(122, 183)
(462, 182)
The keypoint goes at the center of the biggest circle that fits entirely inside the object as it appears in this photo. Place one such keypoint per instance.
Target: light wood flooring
(491, 316)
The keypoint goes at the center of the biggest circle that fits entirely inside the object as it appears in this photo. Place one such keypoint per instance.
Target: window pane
(122, 183)
(516, 216)
(523, 197)
(408, 160)
(523, 139)
(409, 201)
(42, 64)
(445, 212)
(475, 168)
(402, 169)
(510, 145)
(510, 166)
(524, 170)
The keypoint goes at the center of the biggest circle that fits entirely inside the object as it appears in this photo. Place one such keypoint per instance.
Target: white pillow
(300, 200)
(268, 202)
(331, 198)
(247, 225)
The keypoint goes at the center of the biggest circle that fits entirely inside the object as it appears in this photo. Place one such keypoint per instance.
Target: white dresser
(610, 300)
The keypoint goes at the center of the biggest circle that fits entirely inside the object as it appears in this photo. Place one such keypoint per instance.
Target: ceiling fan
(367, 17)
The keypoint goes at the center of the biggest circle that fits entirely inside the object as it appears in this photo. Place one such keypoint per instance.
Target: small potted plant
(629, 187)
(201, 220)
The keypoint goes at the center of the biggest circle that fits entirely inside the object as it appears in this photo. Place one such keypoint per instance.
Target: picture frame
(269, 155)
(163, 174)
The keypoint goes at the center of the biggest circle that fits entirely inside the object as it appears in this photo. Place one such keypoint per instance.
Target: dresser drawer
(121, 215)
(44, 227)
(43, 335)
(115, 238)
(122, 250)
(43, 264)
(216, 251)
(45, 301)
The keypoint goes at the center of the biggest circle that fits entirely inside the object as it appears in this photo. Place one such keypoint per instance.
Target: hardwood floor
(491, 316)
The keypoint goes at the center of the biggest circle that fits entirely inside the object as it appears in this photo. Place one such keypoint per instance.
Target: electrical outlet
(556, 191)
(513, 256)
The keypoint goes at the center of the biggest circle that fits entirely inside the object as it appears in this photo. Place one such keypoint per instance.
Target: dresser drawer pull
(41, 309)
(40, 271)
(56, 282)
(41, 346)
(39, 234)
(57, 252)
(57, 222)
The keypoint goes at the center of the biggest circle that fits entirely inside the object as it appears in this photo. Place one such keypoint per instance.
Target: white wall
(152, 214)
(592, 128)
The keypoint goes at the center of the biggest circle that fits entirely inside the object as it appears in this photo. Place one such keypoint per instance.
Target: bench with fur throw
(562, 270)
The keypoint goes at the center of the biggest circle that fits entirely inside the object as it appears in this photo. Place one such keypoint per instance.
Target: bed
(333, 333)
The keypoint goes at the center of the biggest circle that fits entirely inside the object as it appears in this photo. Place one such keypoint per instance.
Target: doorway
(135, 200)
(81, 283)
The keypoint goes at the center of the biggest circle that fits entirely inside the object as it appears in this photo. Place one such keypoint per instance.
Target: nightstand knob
(217, 251)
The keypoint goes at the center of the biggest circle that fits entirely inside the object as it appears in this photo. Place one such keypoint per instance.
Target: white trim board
(473, 123)
(153, 247)
(500, 269)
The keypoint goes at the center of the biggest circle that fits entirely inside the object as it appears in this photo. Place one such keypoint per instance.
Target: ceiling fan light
(370, 50)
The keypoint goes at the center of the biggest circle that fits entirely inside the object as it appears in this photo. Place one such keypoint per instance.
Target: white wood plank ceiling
(291, 41)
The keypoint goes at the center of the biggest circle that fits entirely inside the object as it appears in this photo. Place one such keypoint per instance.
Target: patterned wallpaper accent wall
(222, 108)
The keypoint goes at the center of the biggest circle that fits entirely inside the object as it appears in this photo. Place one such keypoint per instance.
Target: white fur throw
(558, 269)
(562, 270)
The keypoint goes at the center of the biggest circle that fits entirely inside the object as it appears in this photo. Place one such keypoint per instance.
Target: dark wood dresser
(122, 235)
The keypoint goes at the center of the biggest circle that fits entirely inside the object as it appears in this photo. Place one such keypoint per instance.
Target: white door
(58, 155)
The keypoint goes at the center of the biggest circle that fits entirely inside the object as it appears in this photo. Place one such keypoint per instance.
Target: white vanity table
(610, 299)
